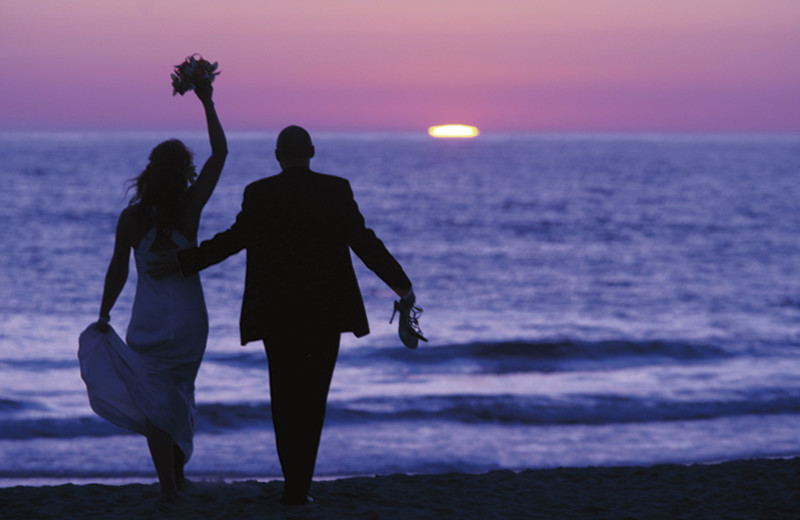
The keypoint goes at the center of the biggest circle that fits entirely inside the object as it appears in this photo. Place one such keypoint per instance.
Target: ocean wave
(513, 356)
(594, 409)
(57, 428)
(575, 410)
(543, 357)
(10, 405)
(211, 418)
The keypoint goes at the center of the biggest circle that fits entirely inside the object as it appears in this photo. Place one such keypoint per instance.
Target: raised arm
(117, 273)
(206, 181)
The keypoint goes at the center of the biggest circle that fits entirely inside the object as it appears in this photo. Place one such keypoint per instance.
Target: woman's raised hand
(204, 93)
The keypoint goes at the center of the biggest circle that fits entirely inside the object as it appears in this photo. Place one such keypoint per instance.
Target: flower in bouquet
(192, 73)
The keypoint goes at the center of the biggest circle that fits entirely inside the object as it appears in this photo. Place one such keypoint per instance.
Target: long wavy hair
(159, 188)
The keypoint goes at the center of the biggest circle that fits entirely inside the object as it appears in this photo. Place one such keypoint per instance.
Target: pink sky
(502, 65)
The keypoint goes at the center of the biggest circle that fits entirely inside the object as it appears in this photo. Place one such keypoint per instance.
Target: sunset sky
(502, 65)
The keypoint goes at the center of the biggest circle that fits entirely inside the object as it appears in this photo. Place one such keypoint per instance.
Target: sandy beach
(757, 489)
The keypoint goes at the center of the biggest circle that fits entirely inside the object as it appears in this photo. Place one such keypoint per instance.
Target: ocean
(590, 299)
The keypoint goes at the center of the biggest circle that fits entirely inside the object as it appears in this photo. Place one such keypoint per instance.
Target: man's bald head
(294, 146)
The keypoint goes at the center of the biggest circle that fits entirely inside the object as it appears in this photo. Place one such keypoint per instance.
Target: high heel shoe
(408, 324)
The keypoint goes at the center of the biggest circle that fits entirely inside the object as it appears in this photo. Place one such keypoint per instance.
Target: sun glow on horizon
(450, 131)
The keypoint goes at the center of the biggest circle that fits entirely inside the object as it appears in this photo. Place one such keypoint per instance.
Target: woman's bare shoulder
(132, 224)
(130, 216)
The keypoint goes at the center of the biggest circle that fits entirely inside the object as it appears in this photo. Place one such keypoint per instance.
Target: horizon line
(423, 131)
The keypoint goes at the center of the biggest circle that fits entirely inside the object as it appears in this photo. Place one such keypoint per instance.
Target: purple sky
(502, 65)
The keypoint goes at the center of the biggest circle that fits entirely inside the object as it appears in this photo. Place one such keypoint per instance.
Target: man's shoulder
(262, 183)
(311, 178)
(282, 187)
(331, 179)
(261, 186)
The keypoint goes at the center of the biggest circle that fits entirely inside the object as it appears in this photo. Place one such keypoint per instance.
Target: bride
(147, 386)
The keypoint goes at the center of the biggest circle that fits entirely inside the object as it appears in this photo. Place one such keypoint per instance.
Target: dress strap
(147, 240)
(177, 238)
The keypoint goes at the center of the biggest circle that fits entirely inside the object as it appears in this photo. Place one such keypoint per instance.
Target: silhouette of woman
(147, 385)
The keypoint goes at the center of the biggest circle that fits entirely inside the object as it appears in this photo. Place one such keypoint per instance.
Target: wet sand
(757, 489)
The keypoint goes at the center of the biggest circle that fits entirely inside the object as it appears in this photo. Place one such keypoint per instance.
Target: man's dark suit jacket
(298, 228)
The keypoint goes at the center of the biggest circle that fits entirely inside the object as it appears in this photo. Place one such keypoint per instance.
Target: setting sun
(453, 131)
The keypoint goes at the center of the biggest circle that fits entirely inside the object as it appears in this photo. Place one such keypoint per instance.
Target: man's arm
(209, 252)
(218, 248)
(371, 250)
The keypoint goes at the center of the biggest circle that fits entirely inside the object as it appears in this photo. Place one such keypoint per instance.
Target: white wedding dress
(152, 376)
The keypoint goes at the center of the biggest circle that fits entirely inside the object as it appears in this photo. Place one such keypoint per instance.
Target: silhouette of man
(300, 291)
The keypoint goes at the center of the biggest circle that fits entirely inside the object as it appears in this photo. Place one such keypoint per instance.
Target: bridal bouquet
(192, 73)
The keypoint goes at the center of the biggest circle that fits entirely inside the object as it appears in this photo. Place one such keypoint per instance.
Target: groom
(300, 291)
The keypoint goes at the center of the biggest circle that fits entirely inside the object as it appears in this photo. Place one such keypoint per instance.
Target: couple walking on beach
(300, 294)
